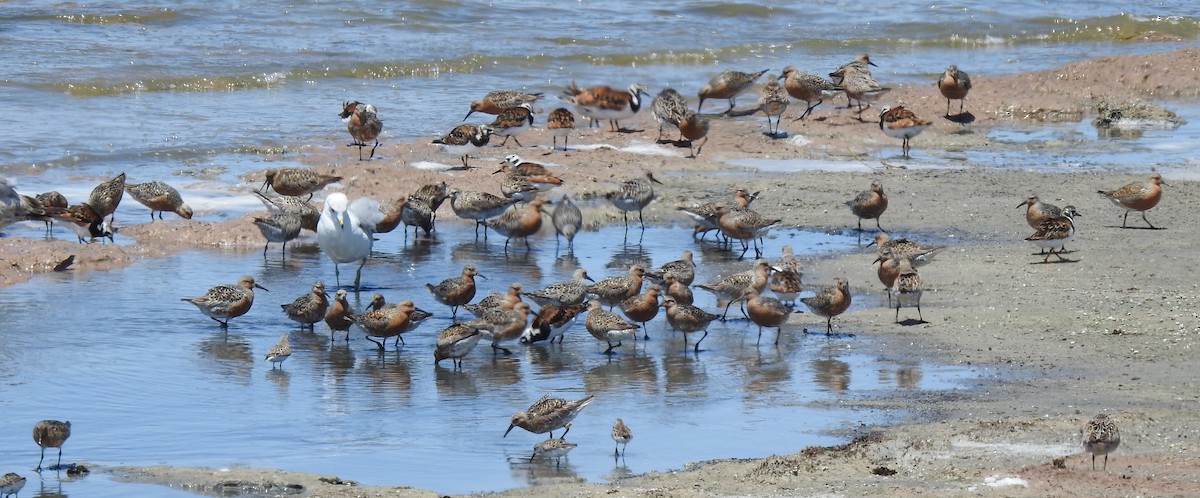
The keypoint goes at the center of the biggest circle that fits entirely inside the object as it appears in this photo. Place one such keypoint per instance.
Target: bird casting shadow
(1136, 228)
(737, 114)
(836, 335)
(628, 130)
(962, 118)
(1055, 261)
(908, 322)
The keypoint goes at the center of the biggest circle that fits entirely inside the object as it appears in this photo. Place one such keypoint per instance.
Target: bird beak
(510, 428)
(480, 275)
(497, 171)
(469, 113)
(261, 287)
(1023, 203)
(589, 279)
(876, 261)
(655, 180)
(871, 244)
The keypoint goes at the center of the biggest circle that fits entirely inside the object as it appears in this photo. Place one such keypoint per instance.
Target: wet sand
(1111, 330)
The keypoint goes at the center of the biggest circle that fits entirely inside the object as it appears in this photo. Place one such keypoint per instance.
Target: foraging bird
(667, 108)
(1137, 196)
(300, 208)
(107, 196)
(728, 85)
(224, 302)
(898, 122)
(478, 206)
(687, 319)
(279, 352)
(560, 123)
(496, 101)
(869, 204)
(456, 291)
(464, 139)
(552, 322)
(555, 448)
(364, 125)
(549, 414)
(621, 434)
(454, 342)
(278, 227)
(829, 302)
(634, 195)
(11, 484)
(511, 122)
(694, 127)
(807, 87)
(297, 181)
(954, 85)
(1055, 232)
(159, 196)
(83, 221)
(51, 434)
(607, 326)
(344, 231)
(309, 308)
(773, 101)
(1100, 436)
(603, 102)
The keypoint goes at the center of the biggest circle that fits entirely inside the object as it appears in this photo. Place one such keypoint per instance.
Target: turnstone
(898, 122)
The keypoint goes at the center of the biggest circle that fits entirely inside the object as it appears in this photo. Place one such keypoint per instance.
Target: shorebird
(615, 290)
(519, 222)
(551, 322)
(1055, 232)
(677, 290)
(454, 342)
(954, 85)
(687, 319)
(83, 221)
(159, 196)
(728, 85)
(227, 301)
(11, 484)
(279, 352)
(744, 225)
(667, 108)
(684, 269)
(1037, 212)
(765, 312)
(705, 215)
(856, 66)
(830, 302)
(344, 232)
(364, 125)
(514, 165)
(555, 448)
(518, 188)
(560, 123)
(567, 220)
(807, 87)
(643, 307)
(785, 280)
(898, 122)
(278, 227)
(302, 209)
(105, 197)
(386, 321)
(309, 308)
(634, 195)
(563, 293)
(908, 288)
(465, 139)
(607, 326)
(297, 181)
(456, 291)
(603, 102)
(621, 434)
(496, 300)
(408, 210)
(52, 199)
(497, 101)
(511, 122)
(337, 316)
(51, 434)
(502, 325)
(548, 414)
(903, 248)
(1137, 196)
(478, 206)
(15, 207)
(888, 272)
(1100, 436)
(730, 288)
(773, 101)
(694, 127)
(869, 204)
(434, 194)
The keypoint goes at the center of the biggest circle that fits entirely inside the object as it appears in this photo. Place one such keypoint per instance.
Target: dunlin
(603, 102)
(830, 302)
(297, 181)
(159, 196)
(908, 289)
(309, 308)
(502, 325)
(560, 124)
(954, 85)
(362, 121)
(279, 352)
(745, 225)
(552, 322)
(106, 196)
(567, 220)
(549, 414)
(344, 232)
(615, 290)
(454, 342)
(898, 122)
(302, 209)
(786, 279)
(497, 101)
(728, 85)
(1100, 436)
(278, 227)
(465, 139)
(668, 108)
(765, 312)
(773, 101)
(621, 434)
(569, 292)
(1137, 196)
(511, 122)
(456, 291)
(807, 87)
(478, 206)
(694, 127)
(687, 319)
(555, 448)
(227, 301)
(337, 316)
(1055, 232)
(684, 269)
(51, 434)
(607, 326)
(869, 204)
(11, 484)
(634, 195)
(643, 307)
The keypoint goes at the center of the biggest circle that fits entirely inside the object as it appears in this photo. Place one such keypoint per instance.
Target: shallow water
(145, 379)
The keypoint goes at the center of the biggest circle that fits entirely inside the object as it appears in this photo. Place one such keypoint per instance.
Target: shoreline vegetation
(1112, 330)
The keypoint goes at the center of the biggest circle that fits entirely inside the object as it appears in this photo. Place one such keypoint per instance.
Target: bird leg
(697, 347)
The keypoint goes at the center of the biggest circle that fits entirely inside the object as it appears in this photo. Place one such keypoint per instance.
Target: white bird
(344, 231)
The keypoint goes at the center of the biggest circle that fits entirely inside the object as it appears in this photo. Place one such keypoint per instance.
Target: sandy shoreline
(1061, 342)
